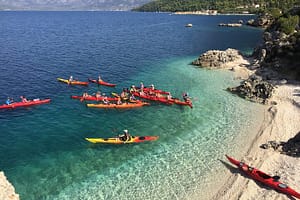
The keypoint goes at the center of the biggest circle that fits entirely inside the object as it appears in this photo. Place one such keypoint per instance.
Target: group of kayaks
(125, 101)
(266, 179)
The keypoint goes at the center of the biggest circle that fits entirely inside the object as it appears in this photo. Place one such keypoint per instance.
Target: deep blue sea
(42, 148)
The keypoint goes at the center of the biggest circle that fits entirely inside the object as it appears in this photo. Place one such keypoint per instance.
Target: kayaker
(98, 94)
(169, 96)
(132, 89)
(142, 87)
(125, 136)
(99, 78)
(132, 98)
(9, 101)
(152, 87)
(105, 101)
(119, 102)
(186, 97)
(85, 94)
(123, 94)
(70, 80)
(24, 100)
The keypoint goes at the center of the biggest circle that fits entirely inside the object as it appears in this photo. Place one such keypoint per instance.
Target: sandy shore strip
(281, 122)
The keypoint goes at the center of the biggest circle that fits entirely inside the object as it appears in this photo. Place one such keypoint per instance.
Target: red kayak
(264, 178)
(152, 98)
(149, 90)
(102, 82)
(94, 98)
(183, 103)
(25, 104)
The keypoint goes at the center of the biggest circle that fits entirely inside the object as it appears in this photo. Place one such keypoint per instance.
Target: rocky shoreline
(7, 190)
(254, 88)
(273, 80)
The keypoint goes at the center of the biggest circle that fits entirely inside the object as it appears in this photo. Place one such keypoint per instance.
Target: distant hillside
(70, 4)
(223, 6)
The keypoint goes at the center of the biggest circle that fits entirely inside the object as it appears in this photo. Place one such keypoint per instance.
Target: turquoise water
(42, 148)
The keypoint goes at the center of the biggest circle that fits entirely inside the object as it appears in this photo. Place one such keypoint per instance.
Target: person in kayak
(98, 95)
(70, 80)
(24, 100)
(125, 136)
(152, 87)
(132, 97)
(142, 87)
(169, 96)
(119, 101)
(186, 97)
(105, 101)
(99, 78)
(132, 89)
(85, 94)
(123, 94)
(9, 101)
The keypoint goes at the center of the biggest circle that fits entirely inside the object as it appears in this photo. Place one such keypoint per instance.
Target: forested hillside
(221, 5)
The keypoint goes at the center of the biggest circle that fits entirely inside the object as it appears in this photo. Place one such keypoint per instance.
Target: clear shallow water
(42, 148)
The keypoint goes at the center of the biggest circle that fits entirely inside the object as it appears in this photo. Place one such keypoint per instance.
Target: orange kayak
(123, 105)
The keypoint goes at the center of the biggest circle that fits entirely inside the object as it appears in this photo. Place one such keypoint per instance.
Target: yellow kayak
(73, 82)
(123, 105)
(117, 140)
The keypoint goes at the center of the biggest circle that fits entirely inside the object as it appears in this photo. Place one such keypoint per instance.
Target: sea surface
(42, 149)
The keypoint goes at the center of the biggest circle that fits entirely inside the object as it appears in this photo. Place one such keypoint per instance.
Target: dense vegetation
(223, 6)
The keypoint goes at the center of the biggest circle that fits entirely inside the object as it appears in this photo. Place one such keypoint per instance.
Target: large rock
(254, 89)
(7, 191)
(264, 20)
(217, 58)
(292, 146)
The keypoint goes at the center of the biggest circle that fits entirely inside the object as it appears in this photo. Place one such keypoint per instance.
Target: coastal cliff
(7, 191)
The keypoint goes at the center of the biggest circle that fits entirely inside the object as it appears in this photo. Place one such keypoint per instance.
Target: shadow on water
(235, 170)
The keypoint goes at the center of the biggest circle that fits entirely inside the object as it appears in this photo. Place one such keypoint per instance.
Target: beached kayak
(123, 105)
(102, 82)
(73, 82)
(117, 140)
(25, 104)
(264, 178)
(94, 98)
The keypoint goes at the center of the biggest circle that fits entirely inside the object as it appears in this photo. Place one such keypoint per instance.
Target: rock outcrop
(291, 147)
(280, 51)
(217, 58)
(254, 89)
(263, 20)
(7, 191)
